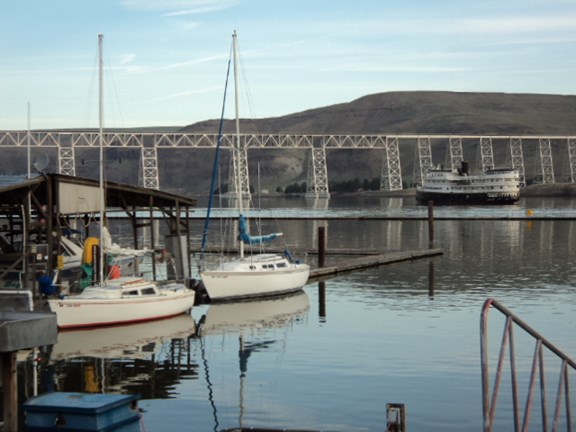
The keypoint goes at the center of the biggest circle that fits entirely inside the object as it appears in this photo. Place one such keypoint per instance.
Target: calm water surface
(333, 356)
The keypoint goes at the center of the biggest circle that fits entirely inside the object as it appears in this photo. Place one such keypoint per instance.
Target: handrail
(537, 372)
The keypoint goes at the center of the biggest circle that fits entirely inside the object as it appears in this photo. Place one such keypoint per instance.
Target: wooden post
(321, 246)
(10, 380)
(431, 224)
(322, 299)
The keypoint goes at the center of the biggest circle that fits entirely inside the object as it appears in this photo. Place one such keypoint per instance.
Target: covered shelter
(41, 207)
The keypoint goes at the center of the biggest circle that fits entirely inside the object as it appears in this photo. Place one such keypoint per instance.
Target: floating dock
(371, 261)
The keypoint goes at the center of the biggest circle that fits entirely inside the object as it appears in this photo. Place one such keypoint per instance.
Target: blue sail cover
(248, 239)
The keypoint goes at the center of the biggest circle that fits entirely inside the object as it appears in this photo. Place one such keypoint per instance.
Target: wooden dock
(370, 261)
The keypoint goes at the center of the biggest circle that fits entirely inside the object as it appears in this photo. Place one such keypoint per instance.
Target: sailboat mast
(101, 153)
(237, 150)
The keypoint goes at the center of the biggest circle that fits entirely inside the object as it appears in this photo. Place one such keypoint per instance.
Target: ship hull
(466, 198)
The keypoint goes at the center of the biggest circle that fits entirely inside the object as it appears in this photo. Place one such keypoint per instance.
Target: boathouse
(35, 213)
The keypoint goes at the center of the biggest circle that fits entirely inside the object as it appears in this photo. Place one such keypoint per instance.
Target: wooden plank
(371, 261)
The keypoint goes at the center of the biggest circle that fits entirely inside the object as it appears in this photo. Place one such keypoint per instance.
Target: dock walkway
(370, 261)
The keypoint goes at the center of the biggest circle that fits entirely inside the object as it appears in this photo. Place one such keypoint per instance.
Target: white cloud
(399, 68)
(127, 58)
(180, 7)
(186, 93)
(512, 24)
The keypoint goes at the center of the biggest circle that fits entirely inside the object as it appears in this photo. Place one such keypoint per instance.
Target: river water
(332, 357)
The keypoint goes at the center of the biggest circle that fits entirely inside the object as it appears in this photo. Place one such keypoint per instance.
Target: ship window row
(476, 181)
(461, 188)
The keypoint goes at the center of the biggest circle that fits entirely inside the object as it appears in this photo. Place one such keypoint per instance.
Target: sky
(165, 60)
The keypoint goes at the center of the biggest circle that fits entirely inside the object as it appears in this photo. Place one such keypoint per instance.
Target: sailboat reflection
(147, 358)
(128, 341)
(254, 322)
(237, 317)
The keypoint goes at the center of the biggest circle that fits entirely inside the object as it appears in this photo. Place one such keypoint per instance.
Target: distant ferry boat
(457, 186)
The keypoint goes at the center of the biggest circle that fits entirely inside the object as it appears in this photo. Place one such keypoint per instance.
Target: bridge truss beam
(67, 144)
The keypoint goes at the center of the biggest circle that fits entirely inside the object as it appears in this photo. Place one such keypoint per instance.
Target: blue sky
(166, 59)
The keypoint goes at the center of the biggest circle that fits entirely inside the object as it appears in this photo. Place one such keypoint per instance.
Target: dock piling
(321, 246)
(431, 224)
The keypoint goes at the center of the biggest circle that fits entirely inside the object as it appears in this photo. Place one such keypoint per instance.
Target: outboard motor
(464, 168)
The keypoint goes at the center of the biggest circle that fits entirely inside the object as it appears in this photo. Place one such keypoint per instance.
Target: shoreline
(557, 190)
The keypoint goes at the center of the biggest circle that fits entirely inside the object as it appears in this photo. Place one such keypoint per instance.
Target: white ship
(458, 186)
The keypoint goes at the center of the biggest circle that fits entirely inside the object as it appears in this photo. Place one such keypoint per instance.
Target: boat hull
(86, 312)
(466, 198)
(238, 283)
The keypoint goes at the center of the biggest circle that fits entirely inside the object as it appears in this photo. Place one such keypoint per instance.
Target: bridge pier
(517, 157)
(149, 156)
(317, 184)
(391, 173)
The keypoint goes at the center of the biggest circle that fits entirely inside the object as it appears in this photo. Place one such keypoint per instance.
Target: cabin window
(281, 265)
(148, 291)
(252, 267)
(132, 293)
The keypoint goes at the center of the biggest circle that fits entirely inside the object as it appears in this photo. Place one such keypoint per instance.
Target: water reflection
(406, 332)
(255, 324)
(148, 358)
(248, 316)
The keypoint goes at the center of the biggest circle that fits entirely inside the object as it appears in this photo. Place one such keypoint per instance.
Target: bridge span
(512, 151)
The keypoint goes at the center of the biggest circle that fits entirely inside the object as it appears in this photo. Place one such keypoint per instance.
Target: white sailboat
(251, 275)
(121, 300)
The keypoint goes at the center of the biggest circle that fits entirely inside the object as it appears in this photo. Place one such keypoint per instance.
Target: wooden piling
(321, 246)
(10, 380)
(430, 224)
(322, 299)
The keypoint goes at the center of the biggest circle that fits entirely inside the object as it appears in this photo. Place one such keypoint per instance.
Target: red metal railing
(537, 374)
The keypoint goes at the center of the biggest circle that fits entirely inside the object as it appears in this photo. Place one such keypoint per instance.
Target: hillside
(403, 113)
(425, 113)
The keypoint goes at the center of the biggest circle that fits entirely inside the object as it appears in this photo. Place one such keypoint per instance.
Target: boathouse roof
(76, 194)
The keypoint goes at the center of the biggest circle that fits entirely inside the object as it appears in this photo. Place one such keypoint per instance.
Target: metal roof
(14, 189)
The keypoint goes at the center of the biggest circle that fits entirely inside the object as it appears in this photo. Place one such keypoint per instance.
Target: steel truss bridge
(541, 148)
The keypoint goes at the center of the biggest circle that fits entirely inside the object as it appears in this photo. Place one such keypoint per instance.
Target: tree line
(354, 185)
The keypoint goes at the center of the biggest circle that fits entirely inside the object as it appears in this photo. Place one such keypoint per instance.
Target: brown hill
(425, 113)
(403, 113)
